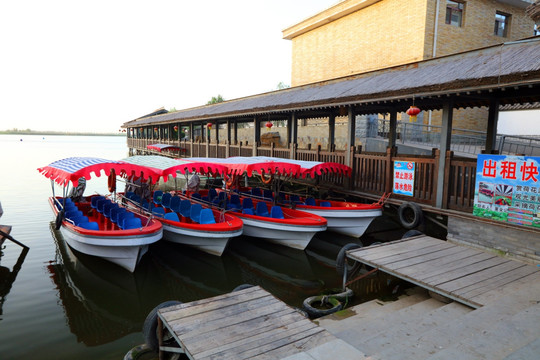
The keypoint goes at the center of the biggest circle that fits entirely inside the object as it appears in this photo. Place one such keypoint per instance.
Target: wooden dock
(246, 324)
(463, 274)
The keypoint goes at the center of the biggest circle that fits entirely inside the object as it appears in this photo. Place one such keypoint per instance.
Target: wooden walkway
(460, 273)
(245, 324)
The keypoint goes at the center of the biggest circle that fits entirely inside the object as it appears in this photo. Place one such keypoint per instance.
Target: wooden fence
(371, 172)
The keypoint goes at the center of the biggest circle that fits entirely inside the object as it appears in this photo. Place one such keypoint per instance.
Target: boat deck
(466, 275)
(245, 324)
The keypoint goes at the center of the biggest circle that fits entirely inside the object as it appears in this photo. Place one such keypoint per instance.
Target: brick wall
(394, 32)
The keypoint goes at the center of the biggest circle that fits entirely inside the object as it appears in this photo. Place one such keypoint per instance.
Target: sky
(94, 65)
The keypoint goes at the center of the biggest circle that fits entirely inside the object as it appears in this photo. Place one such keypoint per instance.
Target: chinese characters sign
(404, 178)
(508, 189)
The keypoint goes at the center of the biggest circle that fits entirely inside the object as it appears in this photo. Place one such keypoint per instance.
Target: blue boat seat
(262, 209)
(256, 192)
(235, 199)
(95, 200)
(108, 207)
(248, 211)
(79, 219)
(166, 200)
(207, 217)
(132, 223)
(114, 213)
(122, 217)
(70, 213)
(268, 194)
(196, 196)
(212, 193)
(276, 212)
(89, 225)
(311, 201)
(157, 197)
(175, 204)
(222, 196)
(101, 204)
(158, 211)
(295, 199)
(325, 204)
(185, 208)
(172, 216)
(234, 207)
(195, 212)
(247, 203)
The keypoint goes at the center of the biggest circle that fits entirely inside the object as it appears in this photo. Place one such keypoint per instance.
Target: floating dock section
(247, 324)
(457, 272)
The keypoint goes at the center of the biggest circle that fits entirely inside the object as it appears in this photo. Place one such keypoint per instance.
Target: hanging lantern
(155, 129)
(412, 112)
(209, 125)
(175, 128)
(269, 125)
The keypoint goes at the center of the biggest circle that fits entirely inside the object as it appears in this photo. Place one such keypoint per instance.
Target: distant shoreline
(35, 132)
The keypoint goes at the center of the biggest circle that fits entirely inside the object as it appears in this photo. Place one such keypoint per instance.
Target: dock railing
(372, 172)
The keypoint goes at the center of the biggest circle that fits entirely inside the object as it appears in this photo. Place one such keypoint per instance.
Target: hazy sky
(93, 65)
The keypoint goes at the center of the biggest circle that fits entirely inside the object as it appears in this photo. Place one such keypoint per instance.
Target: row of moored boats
(120, 226)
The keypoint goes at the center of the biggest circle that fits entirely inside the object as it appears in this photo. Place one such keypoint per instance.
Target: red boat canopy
(167, 166)
(71, 169)
(161, 147)
(268, 165)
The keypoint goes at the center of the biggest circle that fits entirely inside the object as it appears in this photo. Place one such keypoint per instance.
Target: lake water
(55, 304)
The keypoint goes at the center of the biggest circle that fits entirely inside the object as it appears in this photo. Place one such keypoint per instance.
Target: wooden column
(351, 130)
(446, 138)
(392, 134)
(331, 131)
(493, 119)
(256, 134)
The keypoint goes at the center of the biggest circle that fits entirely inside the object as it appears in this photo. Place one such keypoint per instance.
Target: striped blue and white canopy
(71, 169)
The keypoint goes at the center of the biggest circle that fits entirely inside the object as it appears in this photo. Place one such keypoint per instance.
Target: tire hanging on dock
(59, 219)
(150, 324)
(410, 215)
(341, 261)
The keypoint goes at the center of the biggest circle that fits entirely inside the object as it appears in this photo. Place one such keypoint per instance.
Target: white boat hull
(123, 251)
(348, 222)
(294, 236)
(212, 242)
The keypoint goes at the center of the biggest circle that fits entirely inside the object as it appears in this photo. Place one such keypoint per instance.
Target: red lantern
(269, 125)
(175, 128)
(209, 125)
(155, 129)
(412, 112)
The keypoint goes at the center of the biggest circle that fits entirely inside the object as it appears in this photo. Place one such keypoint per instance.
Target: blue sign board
(404, 178)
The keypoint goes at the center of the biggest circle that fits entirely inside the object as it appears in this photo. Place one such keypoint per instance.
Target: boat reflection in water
(7, 275)
(101, 301)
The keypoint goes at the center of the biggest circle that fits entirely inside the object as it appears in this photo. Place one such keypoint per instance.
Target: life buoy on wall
(410, 215)
(112, 181)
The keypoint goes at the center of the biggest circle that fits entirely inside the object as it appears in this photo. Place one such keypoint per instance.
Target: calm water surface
(55, 304)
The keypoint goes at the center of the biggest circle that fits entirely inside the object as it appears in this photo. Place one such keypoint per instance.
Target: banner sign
(404, 178)
(508, 189)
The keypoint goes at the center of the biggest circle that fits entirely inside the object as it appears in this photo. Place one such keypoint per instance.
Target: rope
(361, 276)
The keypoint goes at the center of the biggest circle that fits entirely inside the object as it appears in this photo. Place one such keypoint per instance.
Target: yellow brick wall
(387, 33)
(394, 32)
(478, 27)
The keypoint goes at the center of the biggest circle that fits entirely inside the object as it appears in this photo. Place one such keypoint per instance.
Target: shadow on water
(7, 275)
(102, 302)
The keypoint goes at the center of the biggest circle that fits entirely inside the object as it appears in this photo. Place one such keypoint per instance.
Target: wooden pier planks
(464, 274)
(246, 324)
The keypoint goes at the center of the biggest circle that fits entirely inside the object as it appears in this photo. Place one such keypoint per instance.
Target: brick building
(357, 36)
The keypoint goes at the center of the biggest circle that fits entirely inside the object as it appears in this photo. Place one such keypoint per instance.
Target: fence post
(446, 180)
(318, 152)
(354, 169)
(272, 149)
(389, 170)
(436, 153)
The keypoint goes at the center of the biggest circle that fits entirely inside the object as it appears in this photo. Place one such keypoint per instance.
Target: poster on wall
(508, 189)
(404, 178)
